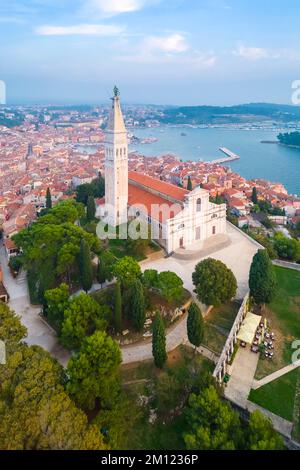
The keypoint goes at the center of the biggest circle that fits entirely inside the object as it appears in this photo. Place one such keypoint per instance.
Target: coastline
(297, 147)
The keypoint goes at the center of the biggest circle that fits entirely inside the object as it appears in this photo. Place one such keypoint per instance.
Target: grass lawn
(284, 317)
(218, 324)
(278, 396)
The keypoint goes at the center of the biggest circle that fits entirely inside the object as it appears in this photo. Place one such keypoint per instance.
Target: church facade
(178, 218)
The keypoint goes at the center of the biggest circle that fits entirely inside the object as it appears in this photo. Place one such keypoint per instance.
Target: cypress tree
(85, 266)
(48, 199)
(159, 342)
(90, 208)
(100, 273)
(254, 195)
(195, 325)
(118, 308)
(138, 306)
(262, 278)
(189, 184)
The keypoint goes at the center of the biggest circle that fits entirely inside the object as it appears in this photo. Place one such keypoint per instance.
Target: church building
(178, 218)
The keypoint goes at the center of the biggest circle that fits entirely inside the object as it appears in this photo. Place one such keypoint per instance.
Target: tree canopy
(51, 245)
(213, 424)
(96, 189)
(126, 270)
(167, 283)
(262, 278)
(94, 371)
(35, 411)
(159, 341)
(195, 325)
(82, 318)
(261, 434)
(214, 283)
(57, 301)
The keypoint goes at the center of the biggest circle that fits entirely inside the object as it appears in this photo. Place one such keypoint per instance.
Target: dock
(230, 156)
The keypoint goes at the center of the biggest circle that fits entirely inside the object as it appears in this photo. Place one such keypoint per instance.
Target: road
(39, 332)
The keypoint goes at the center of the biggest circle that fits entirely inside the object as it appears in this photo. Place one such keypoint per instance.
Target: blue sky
(157, 51)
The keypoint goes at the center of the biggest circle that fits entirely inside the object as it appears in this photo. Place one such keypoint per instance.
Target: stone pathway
(286, 264)
(275, 375)
(241, 376)
(240, 384)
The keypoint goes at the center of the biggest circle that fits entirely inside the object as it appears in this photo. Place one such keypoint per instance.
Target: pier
(230, 156)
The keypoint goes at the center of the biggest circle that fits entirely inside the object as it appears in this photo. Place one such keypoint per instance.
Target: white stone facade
(116, 166)
(188, 217)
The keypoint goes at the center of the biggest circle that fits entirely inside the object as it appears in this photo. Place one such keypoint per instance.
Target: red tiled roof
(138, 195)
(162, 187)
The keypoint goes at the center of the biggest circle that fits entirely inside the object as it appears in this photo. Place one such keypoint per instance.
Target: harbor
(230, 156)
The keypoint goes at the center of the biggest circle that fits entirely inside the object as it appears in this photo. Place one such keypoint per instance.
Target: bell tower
(116, 165)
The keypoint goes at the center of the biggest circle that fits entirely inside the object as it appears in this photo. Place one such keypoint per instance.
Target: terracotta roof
(162, 187)
(141, 196)
(9, 244)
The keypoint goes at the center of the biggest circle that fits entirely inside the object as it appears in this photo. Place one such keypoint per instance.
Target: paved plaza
(237, 255)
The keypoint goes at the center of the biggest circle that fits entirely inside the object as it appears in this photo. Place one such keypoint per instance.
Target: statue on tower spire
(116, 91)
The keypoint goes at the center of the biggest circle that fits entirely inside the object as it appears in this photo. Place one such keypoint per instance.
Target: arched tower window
(117, 152)
(198, 204)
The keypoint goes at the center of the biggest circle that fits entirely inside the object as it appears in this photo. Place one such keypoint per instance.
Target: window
(198, 234)
(198, 205)
(214, 230)
(117, 152)
(180, 227)
(121, 152)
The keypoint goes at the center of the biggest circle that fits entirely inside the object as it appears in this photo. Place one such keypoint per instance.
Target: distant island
(290, 139)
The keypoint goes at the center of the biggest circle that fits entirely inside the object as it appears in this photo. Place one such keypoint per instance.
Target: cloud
(174, 43)
(115, 7)
(172, 49)
(81, 29)
(251, 53)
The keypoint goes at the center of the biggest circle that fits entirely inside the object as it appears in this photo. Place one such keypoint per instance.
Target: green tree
(50, 248)
(48, 199)
(261, 434)
(195, 325)
(150, 278)
(138, 310)
(127, 271)
(105, 266)
(11, 328)
(213, 424)
(297, 228)
(214, 283)
(57, 301)
(90, 208)
(159, 341)
(118, 308)
(254, 195)
(287, 248)
(35, 411)
(170, 285)
(94, 372)
(85, 266)
(189, 186)
(262, 278)
(96, 189)
(82, 318)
